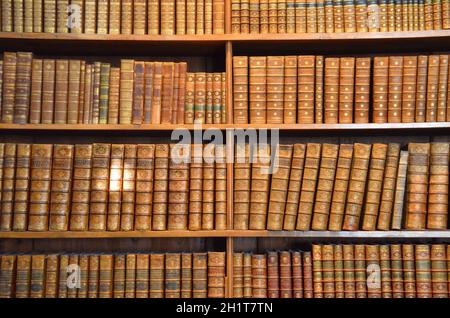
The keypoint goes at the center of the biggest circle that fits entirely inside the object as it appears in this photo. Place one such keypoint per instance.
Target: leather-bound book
(2, 154)
(328, 271)
(338, 256)
(374, 186)
(409, 89)
(248, 275)
(82, 87)
(361, 15)
(160, 187)
(130, 276)
(220, 187)
(36, 91)
(217, 98)
(275, 81)
(95, 110)
(258, 93)
(115, 187)
(88, 94)
(180, 18)
(224, 107)
(238, 275)
(293, 192)
(168, 17)
(373, 271)
(22, 88)
(360, 271)
(300, 16)
(8, 187)
(417, 187)
(362, 89)
(62, 167)
(305, 89)
(400, 188)
(329, 15)
(281, 16)
(128, 188)
(81, 185)
(423, 271)
(285, 274)
(190, 99)
(200, 97)
(442, 89)
(41, 163)
(388, 189)
(320, 11)
(290, 90)
(216, 274)
(9, 86)
(156, 275)
(49, 16)
(144, 187)
(236, 16)
(139, 16)
(428, 15)
(409, 273)
(90, 16)
(142, 275)
(113, 98)
(254, 16)
(398, 15)
(308, 287)
(242, 186)
(105, 70)
(349, 16)
(126, 91)
(61, 91)
(308, 187)
(62, 275)
(438, 187)
(273, 278)
(178, 207)
(186, 275)
(259, 196)
(175, 92)
(421, 88)
(357, 184)
(416, 18)
(208, 198)
(311, 16)
(93, 276)
(102, 16)
(319, 88)
(7, 273)
(114, 17)
(395, 89)
(119, 276)
(190, 16)
(172, 275)
(23, 276)
(167, 92)
(37, 280)
(153, 23)
(259, 276)
(338, 15)
(200, 16)
(445, 15)
(397, 271)
(7, 19)
(240, 89)
(83, 263)
(317, 271)
(105, 276)
(51, 276)
(148, 92)
(182, 92)
(157, 93)
(73, 91)
(196, 187)
(385, 268)
(380, 89)
(273, 14)
(325, 184)
(439, 271)
(209, 99)
(349, 270)
(98, 207)
(279, 187)
(346, 89)
(73, 262)
(199, 275)
(290, 16)
(291, 275)
(331, 91)
(126, 17)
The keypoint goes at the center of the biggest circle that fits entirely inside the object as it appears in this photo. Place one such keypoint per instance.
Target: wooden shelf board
(105, 234)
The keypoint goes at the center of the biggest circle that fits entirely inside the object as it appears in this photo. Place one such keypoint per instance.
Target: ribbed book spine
(346, 89)
(297, 276)
(216, 274)
(115, 187)
(439, 271)
(259, 276)
(196, 187)
(139, 17)
(421, 88)
(36, 91)
(37, 280)
(7, 266)
(23, 276)
(338, 271)
(349, 271)
(172, 276)
(200, 275)
(308, 288)
(73, 91)
(397, 271)
(275, 72)
(400, 190)
(257, 90)
(373, 271)
(423, 271)
(409, 89)
(9, 86)
(242, 186)
(7, 198)
(380, 90)
(156, 275)
(273, 279)
(51, 276)
(409, 277)
(285, 274)
(105, 277)
(190, 99)
(238, 275)
(130, 276)
(119, 276)
(208, 187)
(22, 88)
(105, 70)
(247, 269)
(126, 91)
(290, 90)
(240, 89)
(331, 91)
(328, 271)
(93, 276)
(360, 271)
(319, 91)
(220, 188)
(160, 187)
(442, 91)
(317, 271)
(186, 275)
(385, 268)
(305, 84)
(144, 187)
(128, 188)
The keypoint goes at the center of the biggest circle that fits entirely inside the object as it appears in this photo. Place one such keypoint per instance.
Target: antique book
(73, 91)
(445, 14)
(105, 70)
(208, 175)
(153, 23)
(320, 11)
(218, 17)
(374, 186)
(328, 282)
(216, 274)
(395, 89)
(126, 90)
(200, 98)
(238, 275)
(248, 275)
(274, 88)
(400, 189)
(160, 187)
(397, 271)
(186, 275)
(339, 280)
(172, 275)
(242, 186)
(51, 276)
(385, 268)
(142, 275)
(23, 276)
(22, 88)
(139, 16)
(7, 199)
(199, 275)
(421, 88)
(49, 16)
(432, 88)
(157, 93)
(94, 111)
(126, 17)
(36, 91)
(281, 16)
(113, 98)
(88, 91)
(290, 16)
(240, 89)
(196, 187)
(361, 16)
(93, 276)
(360, 271)
(167, 92)
(220, 188)
(348, 257)
(329, 15)
(331, 91)
(82, 93)
(423, 271)
(305, 89)
(62, 275)
(182, 92)
(190, 16)
(9, 86)
(61, 91)
(317, 273)
(257, 89)
(180, 17)
(442, 88)
(144, 187)
(362, 90)
(190, 99)
(380, 89)
(290, 90)
(319, 87)
(115, 187)
(428, 16)
(273, 16)
(119, 276)
(308, 287)
(90, 16)
(102, 16)
(216, 98)
(409, 273)
(21, 187)
(167, 17)
(308, 187)
(130, 276)
(273, 279)
(409, 89)
(128, 188)
(259, 276)
(200, 17)
(83, 263)
(346, 89)
(72, 276)
(114, 17)
(438, 271)
(235, 16)
(157, 275)
(223, 88)
(7, 17)
(286, 268)
(349, 16)
(105, 276)
(7, 269)
(373, 271)
(300, 16)
(37, 279)
(311, 16)
(175, 93)
(148, 92)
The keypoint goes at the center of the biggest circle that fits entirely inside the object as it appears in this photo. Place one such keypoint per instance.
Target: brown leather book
(138, 93)
(216, 274)
(139, 16)
(279, 187)
(308, 287)
(421, 88)
(317, 271)
(148, 92)
(290, 90)
(23, 276)
(62, 166)
(93, 276)
(300, 16)
(374, 186)
(273, 14)
(329, 16)
(70, 273)
(360, 271)
(259, 196)
(281, 16)
(115, 187)
(285, 274)
(357, 184)
(388, 191)
(156, 275)
(105, 70)
(305, 90)
(247, 272)
(7, 270)
(290, 16)
(208, 198)
(445, 15)
(361, 16)
(200, 97)
(341, 182)
(238, 275)
(144, 187)
(439, 271)
(200, 275)
(126, 89)
(385, 268)
(331, 90)
(432, 88)
(235, 16)
(438, 186)
(37, 280)
(126, 17)
(373, 271)
(105, 277)
(220, 187)
(240, 89)
(325, 184)
(7, 16)
(259, 276)
(7, 198)
(41, 163)
(142, 275)
(21, 187)
(113, 98)
(423, 271)
(62, 275)
(273, 279)
(362, 89)
(73, 91)
(397, 271)
(254, 16)
(297, 275)
(180, 18)
(167, 92)
(182, 92)
(409, 89)
(338, 255)
(168, 17)
(172, 275)
(311, 16)
(346, 89)
(22, 88)
(263, 16)
(114, 17)
(130, 276)
(160, 187)
(409, 272)
(178, 208)
(442, 88)
(90, 16)
(293, 192)
(83, 262)
(400, 189)
(190, 99)
(275, 81)
(50, 16)
(320, 11)
(308, 188)
(349, 16)
(9, 86)
(257, 90)
(88, 94)
(348, 257)
(319, 88)
(380, 93)
(186, 275)
(242, 186)
(417, 187)
(98, 207)
(119, 276)
(223, 101)
(196, 187)
(395, 89)
(328, 271)
(48, 91)
(153, 23)
(128, 188)
(176, 89)
(95, 108)
(82, 86)
(61, 91)
(36, 91)
(81, 185)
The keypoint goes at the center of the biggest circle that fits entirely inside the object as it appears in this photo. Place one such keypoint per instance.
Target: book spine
(238, 275)
(317, 271)
(421, 88)
(240, 89)
(331, 91)
(94, 111)
(216, 274)
(286, 270)
(144, 187)
(102, 16)
(349, 16)
(409, 272)
(328, 271)
(200, 98)
(273, 279)
(196, 187)
(114, 17)
(223, 87)
(290, 16)
(257, 90)
(235, 16)
(142, 275)
(22, 88)
(361, 15)
(90, 15)
(7, 199)
(409, 89)
(126, 91)
(385, 268)
(349, 271)
(305, 78)
(438, 271)
(51, 276)
(308, 286)
(397, 271)
(428, 15)
(338, 254)
(73, 91)
(128, 188)
(296, 267)
(7, 16)
(115, 187)
(157, 276)
(49, 16)
(208, 187)
(290, 90)
(199, 275)
(119, 276)
(180, 17)
(186, 275)
(105, 276)
(175, 92)
(400, 188)
(360, 271)
(126, 26)
(423, 271)
(61, 91)
(83, 263)
(259, 276)
(247, 276)
(362, 89)
(300, 16)
(130, 276)
(329, 15)
(281, 16)
(432, 88)
(383, 16)
(93, 276)
(23, 276)
(218, 17)
(190, 99)
(154, 16)
(157, 93)
(273, 16)
(220, 196)
(346, 89)
(200, 17)
(148, 92)
(274, 87)
(9, 86)
(373, 271)
(242, 186)
(48, 91)
(138, 93)
(380, 89)
(105, 70)
(82, 86)
(442, 88)
(398, 6)
(209, 99)
(37, 276)
(21, 187)
(319, 88)
(36, 91)
(217, 98)
(172, 276)
(62, 276)
(182, 92)
(7, 272)
(167, 90)
(161, 187)
(61, 16)
(139, 16)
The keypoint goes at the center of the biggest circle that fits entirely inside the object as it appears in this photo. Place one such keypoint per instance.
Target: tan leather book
(199, 275)
(93, 276)
(102, 16)
(190, 99)
(70, 22)
(329, 282)
(153, 23)
(167, 92)
(157, 93)
(349, 16)
(329, 15)
(421, 88)
(139, 16)
(385, 267)
(90, 16)
(416, 15)
(144, 187)
(438, 186)
(259, 276)
(98, 206)
(273, 279)
(142, 275)
(9, 169)
(114, 17)
(130, 276)
(395, 89)
(105, 70)
(62, 275)
(320, 10)
(182, 92)
(175, 93)
(331, 90)
(240, 89)
(160, 187)
(260, 185)
(318, 96)
(242, 185)
(356, 186)
(49, 16)
(389, 184)
(317, 271)
(348, 257)
(258, 93)
(294, 186)
(439, 271)
(398, 9)
(23, 276)
(119, 276)
(397, 271)
(21, 186)
(7, 268)
(383, 16)
(209, 99)
(36, 91)
(200, 17)
(37, 280)
(373, 271)
(200, 97)
(148, 92)
(286, 274)
(423, 271)
(311, 16)
(180, 18)
(290, 90)
(300, 280)
(88, 94)
(208, 197)
(105, 276)
(275, 81)
(338, 15)
(281, 16)
(74, 260)
(224, 107)
(247, 272)
(115, 187)
(190, 16)
(279, 187)
(61, 91)
(126, 91)
(216, 274)
(380, 89)
(339, 198)
(361, 16)
(360, 271)
(273, 16)
(325, 184)
(442, 88)
(417, 186)
(186, 275)
(362, 89)
(238, 275)
(432, 88)
(308, 285)
(156, 275)
(305, 91)
(41, 163)
(173, 275)
(51, 276)
(126, 17)
(218, 16)
(300, 16)
(81, 185)
(374, 186)
(196, 187)
(409, 89)
(9, 86)
(220, 188)
(400, 188)
(235, 16)
(346, 89)
(138, 93)
(338, 269)
(7, 17)
(290, 16)
(308, 187)
(428, 15)
(95, 109)
(83, 262)
(22, 88)
(168, 17)
(82, 86)
(216, 98)
(128, 188)
(62, 166)
(73, 91)
(446, 14)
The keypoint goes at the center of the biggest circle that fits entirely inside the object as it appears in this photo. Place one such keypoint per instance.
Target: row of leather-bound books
(342, 187)
(169, 275)
(62, 91)
(164, 17)
(335, 16)
(310, 89)
(112, 187)
(345, 271)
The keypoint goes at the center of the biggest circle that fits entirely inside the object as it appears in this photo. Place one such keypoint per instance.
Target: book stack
(346, 187)
(112, 187)
(166, 17)
(335, 16)
(309, 89)
(345, 271)
(61, 91)
(170, 275)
